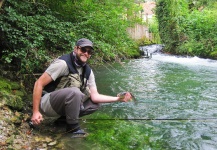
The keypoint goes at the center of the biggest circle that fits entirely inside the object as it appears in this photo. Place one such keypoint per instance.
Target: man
(67, 88)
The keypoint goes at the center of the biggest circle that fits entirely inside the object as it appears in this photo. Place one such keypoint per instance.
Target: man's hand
(37, 118)
(124, 96)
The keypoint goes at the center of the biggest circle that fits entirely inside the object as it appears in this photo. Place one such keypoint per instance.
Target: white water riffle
(187, 61)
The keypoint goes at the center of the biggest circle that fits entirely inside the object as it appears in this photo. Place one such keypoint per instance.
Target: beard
(78, 60)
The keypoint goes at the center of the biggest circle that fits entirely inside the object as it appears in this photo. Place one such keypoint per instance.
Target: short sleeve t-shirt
(59, 68)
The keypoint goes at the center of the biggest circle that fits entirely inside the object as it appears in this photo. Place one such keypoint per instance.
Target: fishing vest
(73, 79)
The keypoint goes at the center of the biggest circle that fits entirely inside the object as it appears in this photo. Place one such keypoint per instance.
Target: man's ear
(75, 48)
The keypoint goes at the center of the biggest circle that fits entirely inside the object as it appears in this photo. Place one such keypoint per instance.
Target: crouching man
(67, 88)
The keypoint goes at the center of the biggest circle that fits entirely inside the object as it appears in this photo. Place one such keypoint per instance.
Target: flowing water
(177, 93)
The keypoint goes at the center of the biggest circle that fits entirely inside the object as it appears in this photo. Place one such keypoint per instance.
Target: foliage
(200, 4)
(104, 22)
(144, 41)
(32, 33)
(200, 30)
(188, 27)
(153, 29)
(170, 15)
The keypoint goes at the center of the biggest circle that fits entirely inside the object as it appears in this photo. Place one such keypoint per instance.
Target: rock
(11, 94)
(13, 101)
(15, 132)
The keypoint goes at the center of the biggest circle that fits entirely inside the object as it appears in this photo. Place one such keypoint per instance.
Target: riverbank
(15, 113)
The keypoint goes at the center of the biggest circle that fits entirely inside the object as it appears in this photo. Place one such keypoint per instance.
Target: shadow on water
(167, 87)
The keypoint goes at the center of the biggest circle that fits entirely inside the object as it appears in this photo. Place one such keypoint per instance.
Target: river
(176, 108)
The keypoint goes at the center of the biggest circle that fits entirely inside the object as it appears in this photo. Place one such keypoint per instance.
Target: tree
(170, 15)
(188, 27)
(34, 32)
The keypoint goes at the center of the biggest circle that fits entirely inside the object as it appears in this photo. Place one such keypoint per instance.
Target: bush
(30, 32)
(33, 32)
(200, 28)
(188, 28)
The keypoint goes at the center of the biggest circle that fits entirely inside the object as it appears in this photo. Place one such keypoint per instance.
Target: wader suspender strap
(69, 59)
(84, 74)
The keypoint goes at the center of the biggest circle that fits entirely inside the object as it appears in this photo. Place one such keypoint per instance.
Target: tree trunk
(1, 2)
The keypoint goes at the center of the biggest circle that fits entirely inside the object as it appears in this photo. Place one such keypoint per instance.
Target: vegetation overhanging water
(167, 87)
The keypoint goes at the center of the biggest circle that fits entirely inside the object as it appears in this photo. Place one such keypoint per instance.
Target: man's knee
(89, 107)
(66, 100)
(73, 91)
(73, 94)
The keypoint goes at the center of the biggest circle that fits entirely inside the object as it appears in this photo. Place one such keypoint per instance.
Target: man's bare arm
(37, 92)
(99, 98)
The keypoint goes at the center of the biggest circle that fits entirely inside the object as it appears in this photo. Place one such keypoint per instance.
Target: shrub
(30, 32)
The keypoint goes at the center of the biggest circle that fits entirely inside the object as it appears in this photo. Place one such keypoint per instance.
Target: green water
(166, 87)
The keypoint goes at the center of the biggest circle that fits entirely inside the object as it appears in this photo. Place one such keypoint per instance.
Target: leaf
(52, 143)
(47, 139)
(37, 139)
(17, 114)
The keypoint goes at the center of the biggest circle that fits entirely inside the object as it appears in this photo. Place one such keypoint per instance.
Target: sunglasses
(84, 50)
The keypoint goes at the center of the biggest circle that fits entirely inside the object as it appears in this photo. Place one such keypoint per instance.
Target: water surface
(166, 87)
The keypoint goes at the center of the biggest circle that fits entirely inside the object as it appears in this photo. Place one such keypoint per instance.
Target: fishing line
(95, 70)
(150, 119)
(105, 66)
(109, 66)
(112, 67)
(104, 62)
(112, 71)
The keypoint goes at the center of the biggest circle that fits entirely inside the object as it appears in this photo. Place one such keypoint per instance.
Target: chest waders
(73, 79)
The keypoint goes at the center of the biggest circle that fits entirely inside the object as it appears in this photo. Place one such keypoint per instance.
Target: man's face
(83, 53)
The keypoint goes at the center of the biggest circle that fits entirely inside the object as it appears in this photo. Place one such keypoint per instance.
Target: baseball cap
(84, 42)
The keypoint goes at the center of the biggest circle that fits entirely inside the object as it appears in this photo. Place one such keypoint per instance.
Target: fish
(122, 94)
